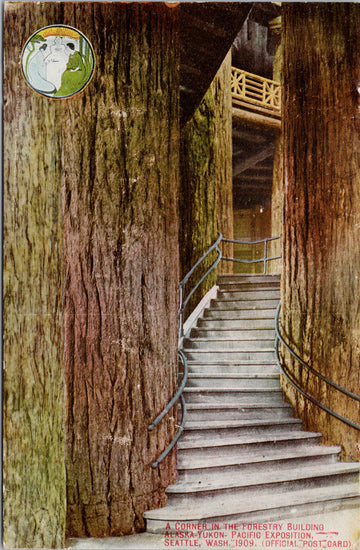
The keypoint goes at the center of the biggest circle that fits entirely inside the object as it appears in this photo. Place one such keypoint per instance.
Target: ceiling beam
(251, 180)
(257, 120)
(250, 162)
(248, 136)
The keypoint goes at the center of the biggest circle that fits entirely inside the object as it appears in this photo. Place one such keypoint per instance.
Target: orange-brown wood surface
(321, 281)
(120, 189)
(91, 275)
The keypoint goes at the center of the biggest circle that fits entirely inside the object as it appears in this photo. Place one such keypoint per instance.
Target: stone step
(281, 451)
(222, 380)
(273, 474)
(267, 370)
(248, 278)
(231, 361)
(232, 334)
(229, 356)
(274, 460)
(227, 411)
(294, 437)
(225, 429)
(247, 286)
(239, 314)
(235, 324)
(239, 396)
(248, 295)
(245, 304)
(285, 481)
(244, 424)
(218, 451)
(297, 503)
(209, 344)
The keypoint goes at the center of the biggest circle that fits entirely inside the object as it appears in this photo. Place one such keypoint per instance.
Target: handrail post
(181, 312)
(265, 255)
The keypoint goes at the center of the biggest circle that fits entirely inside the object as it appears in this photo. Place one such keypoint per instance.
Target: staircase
(243, 456)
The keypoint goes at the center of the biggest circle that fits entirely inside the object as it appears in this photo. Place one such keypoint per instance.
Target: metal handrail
(279, 338)
(264, 259)
(178, 395)
(183, 303)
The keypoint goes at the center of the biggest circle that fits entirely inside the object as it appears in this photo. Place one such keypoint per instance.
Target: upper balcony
(255, 99)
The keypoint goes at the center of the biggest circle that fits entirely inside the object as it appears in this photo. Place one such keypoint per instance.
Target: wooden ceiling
(207, 31)
(253, 145)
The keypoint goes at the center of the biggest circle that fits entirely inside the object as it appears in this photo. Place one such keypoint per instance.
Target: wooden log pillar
(120, 191)
(91, 276)
(275, 266)
(206, 177)
(34, 462)
(223, 158)
(321, 277)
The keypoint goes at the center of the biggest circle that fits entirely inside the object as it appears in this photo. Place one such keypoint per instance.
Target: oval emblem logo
(58, 61)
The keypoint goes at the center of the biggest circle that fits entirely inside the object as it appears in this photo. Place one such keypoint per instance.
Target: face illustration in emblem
(56, 62)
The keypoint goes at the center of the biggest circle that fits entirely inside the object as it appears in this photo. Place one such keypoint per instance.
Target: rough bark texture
(321, 279)
(223, 158)
(206, 179)
(34, 469)
(275, 248)
(120, 155)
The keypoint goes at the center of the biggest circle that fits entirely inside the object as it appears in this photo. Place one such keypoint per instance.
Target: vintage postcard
(181, 275)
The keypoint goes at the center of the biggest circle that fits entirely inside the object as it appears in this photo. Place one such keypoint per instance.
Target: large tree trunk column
(275, 266)
(120, 155)
(206, 177)
(34, 468)
(321, 278)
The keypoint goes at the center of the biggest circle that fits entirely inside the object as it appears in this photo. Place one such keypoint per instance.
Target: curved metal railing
(183, 303)
(279, 338)
(178, 395)
(265, 257)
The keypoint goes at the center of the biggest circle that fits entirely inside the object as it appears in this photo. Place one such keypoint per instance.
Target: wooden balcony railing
(255, 93)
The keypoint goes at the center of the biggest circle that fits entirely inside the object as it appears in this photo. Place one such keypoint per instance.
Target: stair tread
(246, 440)
(241, 330)
(267, 311)
(251, 303)
(231, 507)
(276, 476)
(261, 302)
(210, 339)
(236, 376)
(231, 350)
(270, 456)
(211, 389)
(237, 406)
(239, 314)
(211, 424)
(245, 362)
(248, 294)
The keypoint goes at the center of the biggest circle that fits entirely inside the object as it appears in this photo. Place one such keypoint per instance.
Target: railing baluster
(265, 255)
(256, 90)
